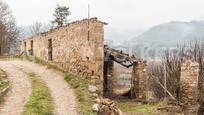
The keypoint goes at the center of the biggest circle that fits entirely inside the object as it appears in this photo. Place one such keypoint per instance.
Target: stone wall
(189, 83)
(73, 48)
(139, 75)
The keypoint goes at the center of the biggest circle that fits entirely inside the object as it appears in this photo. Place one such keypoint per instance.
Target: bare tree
(155, 72)
(172, 61)
(37, 28)
(8, 29)
(169, 66)
(197, 53)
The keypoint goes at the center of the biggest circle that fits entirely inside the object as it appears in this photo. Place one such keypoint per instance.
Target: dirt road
(63, 96)
(19, 91)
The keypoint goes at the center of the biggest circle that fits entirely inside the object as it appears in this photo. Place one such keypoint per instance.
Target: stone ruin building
(73, 48)
(78, 48)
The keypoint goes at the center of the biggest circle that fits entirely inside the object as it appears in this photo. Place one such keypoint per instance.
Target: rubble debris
(105, 106)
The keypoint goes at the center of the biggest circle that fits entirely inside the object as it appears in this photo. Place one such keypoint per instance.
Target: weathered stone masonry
(189, 83)
(78, 48)
(139, 80)
(73, 48)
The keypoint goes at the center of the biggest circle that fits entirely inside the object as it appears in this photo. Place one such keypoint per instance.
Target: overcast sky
(126, 18)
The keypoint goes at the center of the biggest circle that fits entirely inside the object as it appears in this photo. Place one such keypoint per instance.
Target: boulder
(95, 107)
(92, 88)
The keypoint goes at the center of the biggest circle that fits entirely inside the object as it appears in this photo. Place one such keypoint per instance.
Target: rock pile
(105, 106)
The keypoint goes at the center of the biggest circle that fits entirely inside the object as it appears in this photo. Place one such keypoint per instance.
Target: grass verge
(134, 108)
(4, 86)
(41, 62)
(40, 102)
(85, 99)
(3, 80)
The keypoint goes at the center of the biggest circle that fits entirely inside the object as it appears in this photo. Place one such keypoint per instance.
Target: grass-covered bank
(85, 99)
(40, 101)
(4, 85)
(3, 80)
(7, 57)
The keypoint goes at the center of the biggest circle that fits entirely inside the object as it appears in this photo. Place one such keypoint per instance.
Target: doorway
(25, 46)
(50, 50)
(31, 50)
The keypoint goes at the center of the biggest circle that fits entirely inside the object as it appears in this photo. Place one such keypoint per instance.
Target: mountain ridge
(167, 35)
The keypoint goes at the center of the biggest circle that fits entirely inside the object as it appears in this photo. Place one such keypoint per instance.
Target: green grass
(25, 57)
(40, 61)
(134, 108)
(3, 77)
(40, 102)
(3, 84)
(85, 99)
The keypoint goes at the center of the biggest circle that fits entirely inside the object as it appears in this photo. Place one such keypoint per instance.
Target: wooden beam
(119, 56)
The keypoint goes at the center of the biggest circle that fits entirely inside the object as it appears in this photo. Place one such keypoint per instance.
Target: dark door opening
(31, 50)
(105, 78)
(25, 46)
(50, 50)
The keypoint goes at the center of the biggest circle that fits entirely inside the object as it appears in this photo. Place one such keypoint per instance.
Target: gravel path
(63, 96)
(20, 89)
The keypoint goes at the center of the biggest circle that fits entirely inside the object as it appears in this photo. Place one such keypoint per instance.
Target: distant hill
(166, 35)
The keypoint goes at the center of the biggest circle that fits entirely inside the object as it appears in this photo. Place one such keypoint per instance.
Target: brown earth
(63, 96)
(20, 89)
